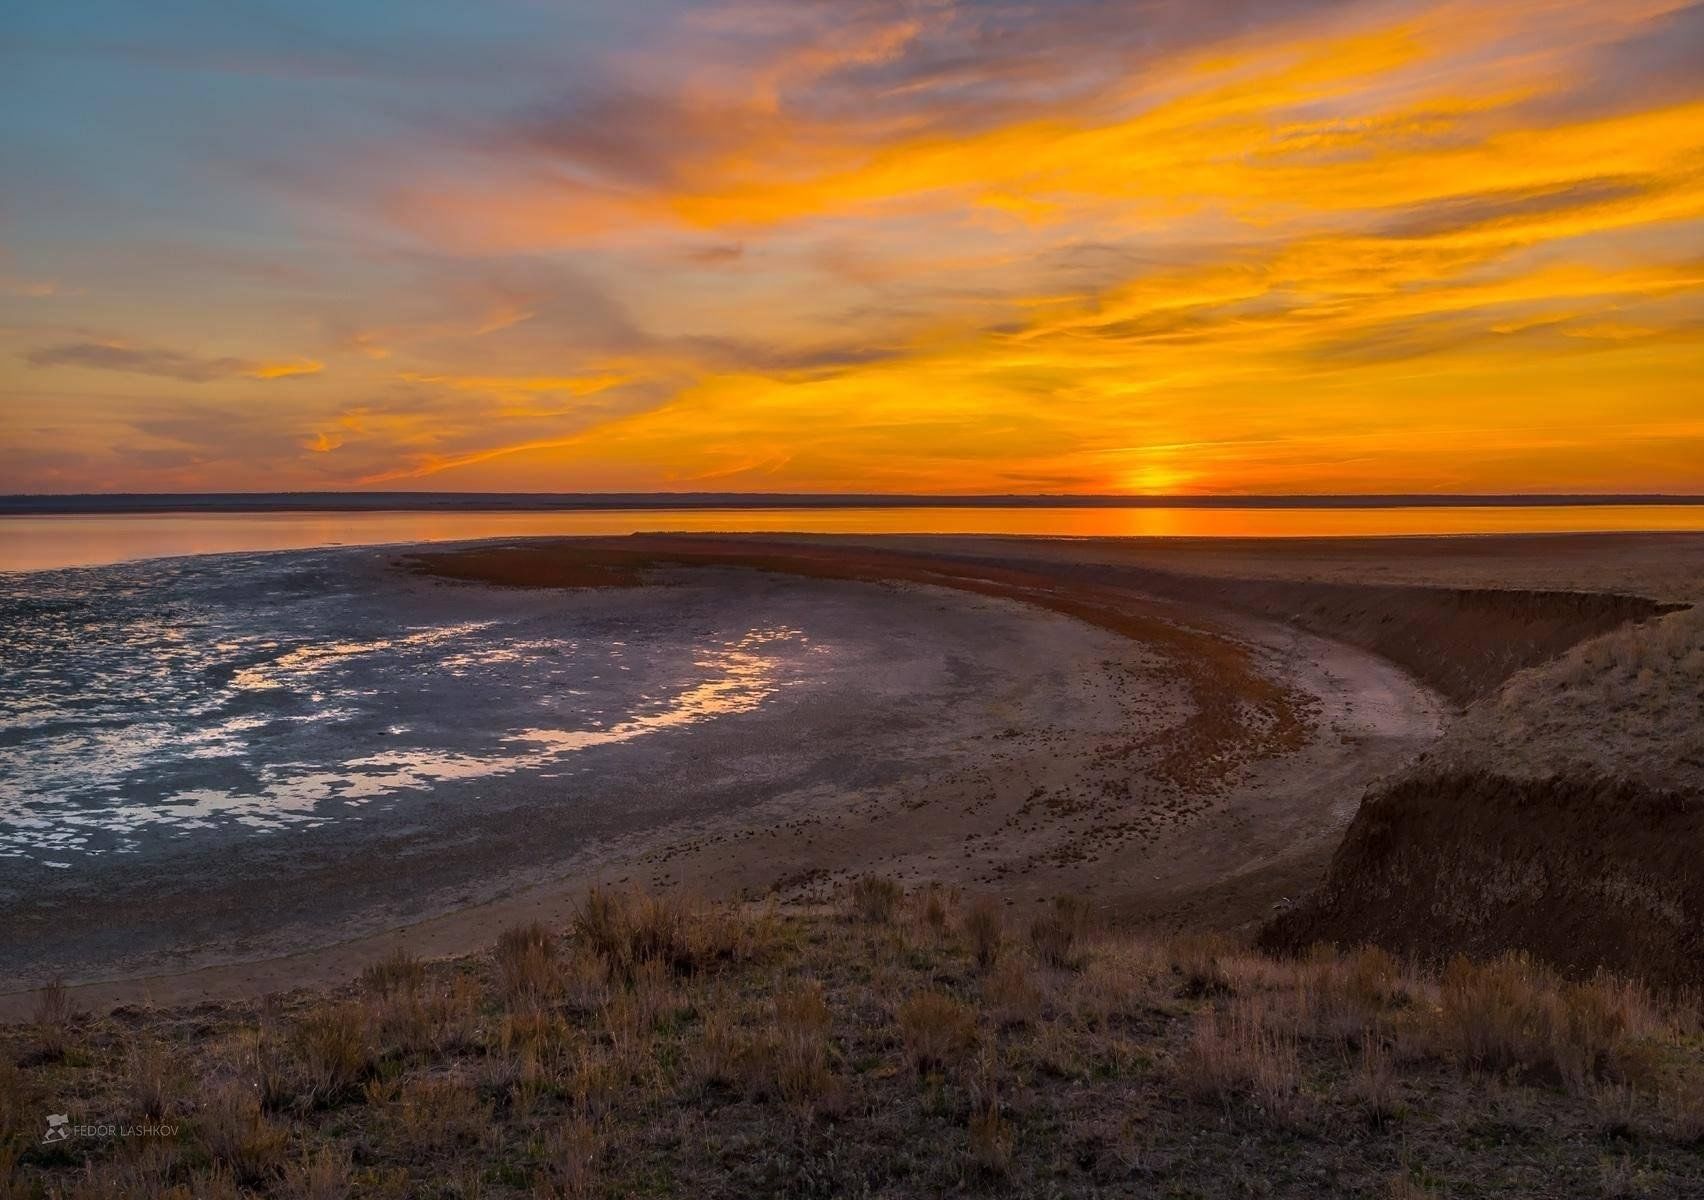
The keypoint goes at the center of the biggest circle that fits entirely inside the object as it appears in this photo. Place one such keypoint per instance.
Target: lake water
(35, 543)
(208, 697)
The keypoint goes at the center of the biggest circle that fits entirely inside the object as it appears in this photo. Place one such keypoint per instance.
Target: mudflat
(1180, 730)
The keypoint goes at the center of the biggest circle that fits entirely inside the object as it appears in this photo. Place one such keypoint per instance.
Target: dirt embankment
(1464, 642)
(1580, 872)
(1562, 814)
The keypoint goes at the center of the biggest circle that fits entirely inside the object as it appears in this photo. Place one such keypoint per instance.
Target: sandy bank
(1182, 766)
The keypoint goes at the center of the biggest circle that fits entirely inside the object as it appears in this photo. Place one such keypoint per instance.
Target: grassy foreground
(902, 1045)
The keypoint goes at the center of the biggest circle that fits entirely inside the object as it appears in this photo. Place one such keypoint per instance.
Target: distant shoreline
(264, 502)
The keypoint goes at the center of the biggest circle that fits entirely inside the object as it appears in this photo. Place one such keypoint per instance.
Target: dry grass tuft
(802, 1073)
(984, 929)
(1681, 1105)
(437, 1016)
(1619, 1176)
(318, 1175)
(1375, 1085)
(938, 1030)
(1010, 993)
(657, 932)
(397, 973)
(153, 1081)
(332, 1053)
(624, 933)
(929, 908)
(721, 1056)
(1054, 935)
(1237, 1051)
(18, 1104)
(600, 924)
(437, 1112)
(1491, 1015)
(526, 964)
(236, 1133)
(874, 899)
(1198, 960)
(990, 1136)
(52, 1019)
(570, 1152)
(1511, 1014)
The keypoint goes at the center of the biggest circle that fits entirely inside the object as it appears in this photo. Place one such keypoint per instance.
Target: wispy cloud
(166, 363)
(1312, 245)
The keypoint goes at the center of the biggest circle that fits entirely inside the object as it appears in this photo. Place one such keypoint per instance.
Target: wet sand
(1006, 726)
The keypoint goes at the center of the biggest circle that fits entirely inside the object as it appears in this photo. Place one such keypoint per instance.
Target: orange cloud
(1433, 244)
(285, 370)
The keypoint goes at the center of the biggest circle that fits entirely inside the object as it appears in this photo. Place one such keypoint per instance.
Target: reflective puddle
(235, 696)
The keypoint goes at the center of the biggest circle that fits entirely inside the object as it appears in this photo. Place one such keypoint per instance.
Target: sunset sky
(1269, 246)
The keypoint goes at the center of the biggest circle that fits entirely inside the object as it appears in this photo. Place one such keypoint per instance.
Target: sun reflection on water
(126, 718)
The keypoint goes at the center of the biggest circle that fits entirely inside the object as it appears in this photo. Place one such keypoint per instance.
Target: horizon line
(72, 503)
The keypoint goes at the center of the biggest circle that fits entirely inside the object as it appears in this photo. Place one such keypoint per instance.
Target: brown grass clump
(1335, 998)
(433, 1017)
(1054, 934)
(657, 931)
(984, 929)
(526, 964)
(1619, 1175)
(397, 973)
(18, 1105)
(874, 899)
(1682, 1107)
(1010, 993)
(331, 1052)
(585, 982)
(802, 1073)
(1491, 1015)
(1197, 960)
(600, 924)
(938, 1030)
(1406, 1187)
(530, 1031)
(321, 1174)
(236, 1133)
(152, 1080)
(990, 1136)
(52, 1018)
(929, 908)
(1236, 1051)
(437, 1112)
(570, 1152)
(626, 932)
(721, 1057)
(145, 1175)
(1588, 1024)
(1512, 1014)
(1375, 1085)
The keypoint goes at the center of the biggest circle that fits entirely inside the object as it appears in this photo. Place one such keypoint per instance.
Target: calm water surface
(36, 543)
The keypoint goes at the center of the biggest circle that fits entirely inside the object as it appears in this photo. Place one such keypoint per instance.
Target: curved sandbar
(992, 724)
